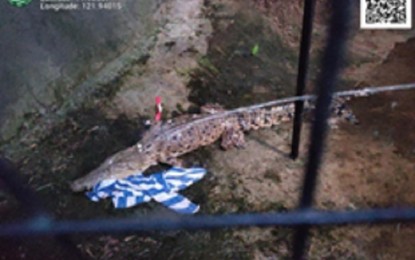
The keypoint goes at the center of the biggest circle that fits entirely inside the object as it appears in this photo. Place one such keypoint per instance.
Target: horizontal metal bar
(352, 93)
(44, 226)
(373, 90)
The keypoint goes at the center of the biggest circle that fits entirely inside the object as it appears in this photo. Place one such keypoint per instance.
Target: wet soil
(391, 116)
(387, 131)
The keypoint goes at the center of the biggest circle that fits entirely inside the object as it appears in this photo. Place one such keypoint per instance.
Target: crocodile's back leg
(232, 137)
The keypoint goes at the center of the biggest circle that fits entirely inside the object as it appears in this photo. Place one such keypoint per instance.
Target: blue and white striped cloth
(163, 187)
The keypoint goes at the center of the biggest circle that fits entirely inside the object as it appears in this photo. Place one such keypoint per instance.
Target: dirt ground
(368, 165)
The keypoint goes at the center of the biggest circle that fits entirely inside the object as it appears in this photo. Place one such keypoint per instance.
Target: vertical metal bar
(308, 15)
(331, 64)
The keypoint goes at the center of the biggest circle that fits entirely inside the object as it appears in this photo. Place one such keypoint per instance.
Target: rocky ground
(202, 54)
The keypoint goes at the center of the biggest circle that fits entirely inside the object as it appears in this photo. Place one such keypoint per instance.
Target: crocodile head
(131, 161)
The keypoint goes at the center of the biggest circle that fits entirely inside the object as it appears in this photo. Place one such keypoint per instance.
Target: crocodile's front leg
(173, 161)
(233, 138)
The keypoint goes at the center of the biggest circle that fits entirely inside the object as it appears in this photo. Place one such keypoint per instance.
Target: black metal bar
(331, 64)
(208, 222)
(307, 29)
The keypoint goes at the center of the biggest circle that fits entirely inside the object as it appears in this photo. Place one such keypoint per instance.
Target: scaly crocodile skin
(164, 142)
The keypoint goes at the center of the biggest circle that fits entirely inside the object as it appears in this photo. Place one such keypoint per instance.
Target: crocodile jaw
(105, 171)
(113, 171)
(118, 166)
(87, 182)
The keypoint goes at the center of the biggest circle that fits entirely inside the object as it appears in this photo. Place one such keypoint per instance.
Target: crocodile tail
(338, 110)
(341, 110)
(266, 117)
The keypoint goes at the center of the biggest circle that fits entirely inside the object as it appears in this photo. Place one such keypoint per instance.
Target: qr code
(385, 14)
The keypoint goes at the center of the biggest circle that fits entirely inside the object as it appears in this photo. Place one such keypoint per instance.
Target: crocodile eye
(139, 147)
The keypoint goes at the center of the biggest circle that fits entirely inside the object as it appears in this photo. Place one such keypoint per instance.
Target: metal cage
(41, 223)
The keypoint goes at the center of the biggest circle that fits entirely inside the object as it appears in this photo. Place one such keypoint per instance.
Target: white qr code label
(385, 14)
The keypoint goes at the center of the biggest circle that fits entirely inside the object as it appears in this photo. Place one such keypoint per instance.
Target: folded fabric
(162, 187)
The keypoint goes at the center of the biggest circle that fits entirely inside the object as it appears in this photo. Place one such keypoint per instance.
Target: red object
(157, 117)
(158, 100)
(159, 109)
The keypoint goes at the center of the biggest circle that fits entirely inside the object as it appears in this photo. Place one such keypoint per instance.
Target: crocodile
(165, 142)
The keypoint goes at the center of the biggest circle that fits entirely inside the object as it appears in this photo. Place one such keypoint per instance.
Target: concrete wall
(46, 54)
